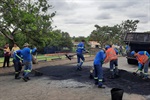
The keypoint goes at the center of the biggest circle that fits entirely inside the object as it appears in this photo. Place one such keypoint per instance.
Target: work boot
(100, 86)
(91, 76)
(3, 66)
(17, 77)
(141, 75)
(79, 69)
(145, 77)
(111, 77)
(103, 80)
(28, 78)
(117, 76)
(96, 82)
(25, 79)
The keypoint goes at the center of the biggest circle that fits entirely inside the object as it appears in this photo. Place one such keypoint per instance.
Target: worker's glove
(35, 48)
(140, 68)
(102, 62)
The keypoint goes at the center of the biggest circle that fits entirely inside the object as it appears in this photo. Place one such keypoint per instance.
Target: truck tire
(132, 61)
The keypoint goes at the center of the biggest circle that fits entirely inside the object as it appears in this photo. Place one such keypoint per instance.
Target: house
(94, 44)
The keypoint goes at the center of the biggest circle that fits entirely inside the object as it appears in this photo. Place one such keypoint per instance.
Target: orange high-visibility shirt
(110, 55)
(141, 58)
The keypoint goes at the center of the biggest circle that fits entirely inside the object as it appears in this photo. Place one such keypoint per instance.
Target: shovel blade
(68, 56)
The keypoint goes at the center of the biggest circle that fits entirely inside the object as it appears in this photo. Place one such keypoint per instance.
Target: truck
(137, 41)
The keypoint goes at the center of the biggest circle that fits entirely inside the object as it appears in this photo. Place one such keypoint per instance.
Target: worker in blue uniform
(17, 60)
(80, 57)
(26, 52)
(98, 71)
(111, 56)
(143, 58)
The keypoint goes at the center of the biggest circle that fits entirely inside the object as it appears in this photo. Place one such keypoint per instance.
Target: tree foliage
(27, 18)
(127, 26)
(114, 34)
(60, 39)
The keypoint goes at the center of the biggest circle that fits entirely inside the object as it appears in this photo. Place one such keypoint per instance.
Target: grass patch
(39, 57)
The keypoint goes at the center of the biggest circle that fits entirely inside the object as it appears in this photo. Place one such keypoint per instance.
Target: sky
(78, 17)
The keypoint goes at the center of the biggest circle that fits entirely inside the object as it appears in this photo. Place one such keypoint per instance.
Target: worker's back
(136, 41)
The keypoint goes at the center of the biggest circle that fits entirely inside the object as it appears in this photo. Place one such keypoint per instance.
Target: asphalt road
(63, 82)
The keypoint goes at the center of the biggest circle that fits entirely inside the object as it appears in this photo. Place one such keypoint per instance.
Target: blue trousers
(114, 67)
(27, 68)
(146, 65)
(17, 67)
(98, 74)
(80, 59)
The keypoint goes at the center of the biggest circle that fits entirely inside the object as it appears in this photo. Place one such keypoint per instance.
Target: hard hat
(107, 46)
(133, 52)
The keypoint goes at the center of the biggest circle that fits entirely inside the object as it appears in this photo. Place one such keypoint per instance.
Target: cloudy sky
(78, 17)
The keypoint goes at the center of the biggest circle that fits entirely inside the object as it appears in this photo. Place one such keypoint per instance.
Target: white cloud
(78, 17)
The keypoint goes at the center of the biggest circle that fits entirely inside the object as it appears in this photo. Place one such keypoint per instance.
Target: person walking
(80, 56)
(111, 56)
(17, 60)
(121, 50)
(7, 55)
(26, 52)
(143, 58)
(98, 71)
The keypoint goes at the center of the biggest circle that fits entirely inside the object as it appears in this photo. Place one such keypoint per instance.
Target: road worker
(80, 57)
(26, 52)
(98, 71)
(17, 60)
(111, 56)
(143, 59)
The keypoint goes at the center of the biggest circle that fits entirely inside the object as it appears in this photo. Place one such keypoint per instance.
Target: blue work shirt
(99, 58)
(80, 48)
(143, 53)
(17, 56)
(26, 52)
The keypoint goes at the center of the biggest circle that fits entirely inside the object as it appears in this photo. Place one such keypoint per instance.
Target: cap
(107, 46)
(26, 44)
(133, 52)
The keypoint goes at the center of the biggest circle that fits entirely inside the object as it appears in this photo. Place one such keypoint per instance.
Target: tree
(27, 18)
(78, 39)
(127, 26)
(103, 35)
(113, 35)
(66, 41)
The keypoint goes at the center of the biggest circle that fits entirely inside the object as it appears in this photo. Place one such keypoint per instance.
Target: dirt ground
(61, 81)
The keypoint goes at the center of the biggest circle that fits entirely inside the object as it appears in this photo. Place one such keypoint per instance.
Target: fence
(56, 56)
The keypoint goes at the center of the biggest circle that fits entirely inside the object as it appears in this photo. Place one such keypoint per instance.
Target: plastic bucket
(116, 94)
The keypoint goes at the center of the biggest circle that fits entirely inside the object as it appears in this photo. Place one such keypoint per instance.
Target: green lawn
(39, 58)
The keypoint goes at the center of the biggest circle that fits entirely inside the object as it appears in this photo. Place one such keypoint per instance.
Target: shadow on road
(128, 82)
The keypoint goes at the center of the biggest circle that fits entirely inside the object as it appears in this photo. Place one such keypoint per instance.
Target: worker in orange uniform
(143, 58)
(111, 56)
